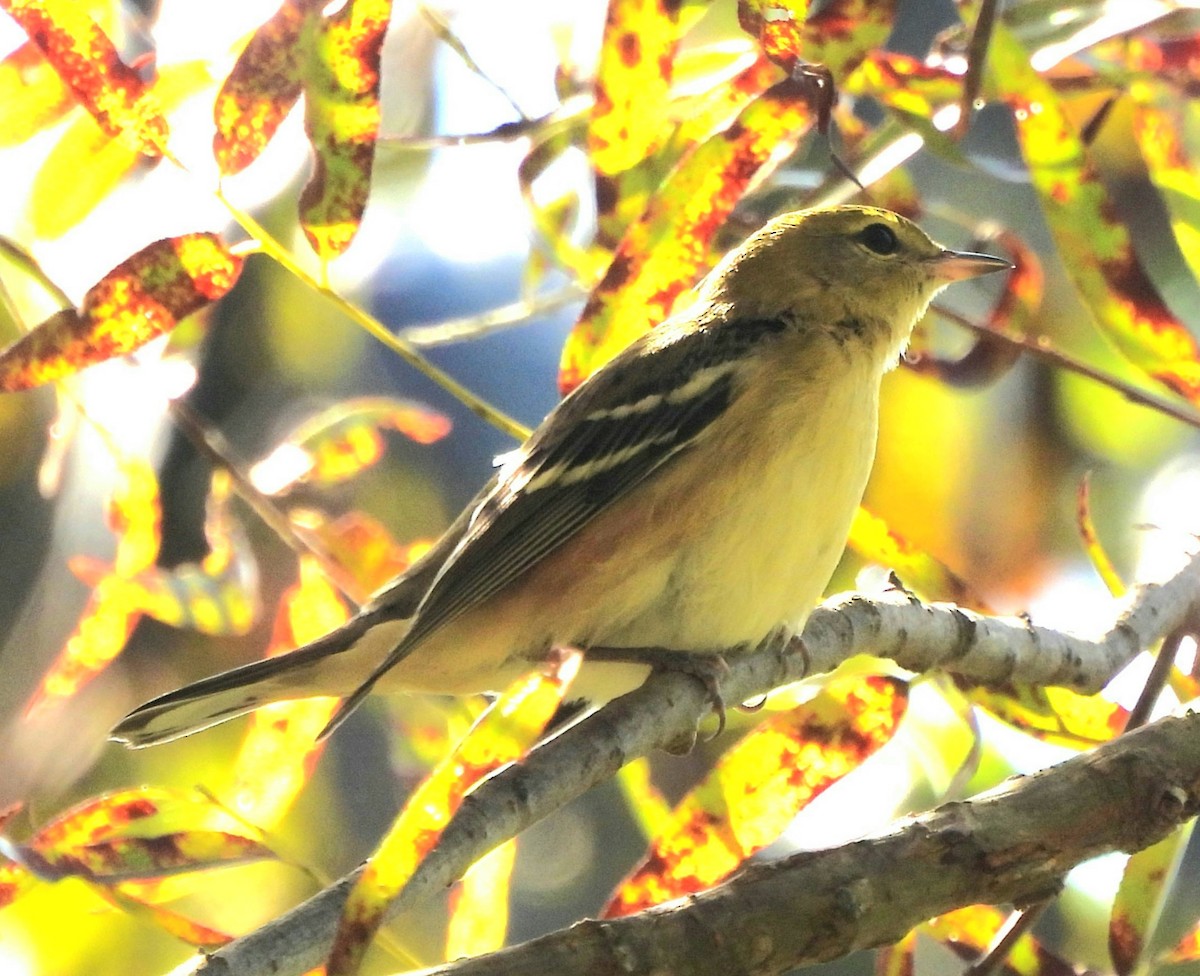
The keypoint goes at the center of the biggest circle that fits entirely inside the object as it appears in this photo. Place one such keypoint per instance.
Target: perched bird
(692, 496)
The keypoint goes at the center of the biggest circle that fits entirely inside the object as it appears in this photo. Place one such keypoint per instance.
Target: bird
(690, 498)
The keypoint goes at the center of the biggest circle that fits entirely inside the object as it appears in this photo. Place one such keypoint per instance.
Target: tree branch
(1009, 846)
(661, 712)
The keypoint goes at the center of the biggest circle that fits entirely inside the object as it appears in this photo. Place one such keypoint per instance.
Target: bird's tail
(302, 673)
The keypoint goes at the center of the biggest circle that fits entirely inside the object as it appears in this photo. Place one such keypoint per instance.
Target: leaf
(32, 96)
(898, 959)
(838, 36)
(1091, 541)
(969, 931)
(87, 163)
(364, 547)
(342, 121)
(135, 516)
(138, 833)
(1145, 884)
(478, 920)
(338, 443)
(280, 748)
(668, 248)
(760, 785)
(628, 119)
(263, 86)
(1055, 715)
(87, 62)
(509, 727)
(1094, 246)
(140, 299)
(872, 538)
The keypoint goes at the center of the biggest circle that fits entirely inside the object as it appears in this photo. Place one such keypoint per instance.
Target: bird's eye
(880, 238)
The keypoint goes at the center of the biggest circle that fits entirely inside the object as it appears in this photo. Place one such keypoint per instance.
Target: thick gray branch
(664, 710)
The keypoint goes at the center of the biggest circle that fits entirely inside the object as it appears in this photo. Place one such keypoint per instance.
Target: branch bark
(665, 709)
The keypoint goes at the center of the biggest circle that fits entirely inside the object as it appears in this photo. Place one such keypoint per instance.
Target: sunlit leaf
(969, 931)
(1161, 121)
(1145, 884)
(138, 833)
(760, 785)
(140, 299)
(873, 539)
(263, 86)
(632, 81)
(1055, 715)
(1186, 949)
(478, 920)
(340, 442)
(364, 547)
(668, 248)
(32, 95)
(342, 120)
(185, 929)
(134, 515)
(87, 164)
(280, 748)
(1094, 246)
(1091, 541)
(86, 60)
(898, 959)
(646, 805)
(509, 727)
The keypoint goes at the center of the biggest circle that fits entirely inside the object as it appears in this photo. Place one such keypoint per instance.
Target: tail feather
(224, 696)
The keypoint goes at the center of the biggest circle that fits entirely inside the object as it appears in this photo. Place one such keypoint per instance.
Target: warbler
(690, 498)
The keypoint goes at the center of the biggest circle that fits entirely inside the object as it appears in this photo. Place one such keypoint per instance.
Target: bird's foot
(708, 669)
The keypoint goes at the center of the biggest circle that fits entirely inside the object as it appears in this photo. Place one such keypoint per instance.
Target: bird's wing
(597, 446)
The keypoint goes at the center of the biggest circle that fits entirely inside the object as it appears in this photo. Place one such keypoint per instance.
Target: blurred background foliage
(984, 479)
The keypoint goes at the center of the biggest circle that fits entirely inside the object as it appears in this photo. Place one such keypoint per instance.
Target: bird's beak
(959, 265)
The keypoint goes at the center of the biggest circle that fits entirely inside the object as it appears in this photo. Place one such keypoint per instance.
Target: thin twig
(493, 320)
(1041, 349)
(977, 49)
(441, 27)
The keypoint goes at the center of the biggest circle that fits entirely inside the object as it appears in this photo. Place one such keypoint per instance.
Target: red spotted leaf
(760, 785)
(629, 117)
(503, 733)
(669, 247)
(140, 299)
(263, 85)
(1146, 882)
(87, 62)
(342, 120)
(838, 36)
(1054, 715)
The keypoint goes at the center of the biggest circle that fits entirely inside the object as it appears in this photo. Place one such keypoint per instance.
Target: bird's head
(862, 270)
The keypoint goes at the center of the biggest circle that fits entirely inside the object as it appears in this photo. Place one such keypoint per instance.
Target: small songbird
(693, 496)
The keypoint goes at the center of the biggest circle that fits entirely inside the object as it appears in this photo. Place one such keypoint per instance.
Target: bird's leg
(708, 669)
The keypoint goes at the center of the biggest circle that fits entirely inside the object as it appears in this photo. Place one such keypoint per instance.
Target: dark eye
(879, 238)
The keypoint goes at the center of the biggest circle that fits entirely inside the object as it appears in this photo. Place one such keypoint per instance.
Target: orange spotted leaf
(138, 833)
(1094, 246)
(509, 727)
(87, 62)
(838, 36)
(364, 547)
(1145, 884)
(339, 442)
(280, 751)
(666, 251)
(263, 85)
(185, 929)
(139, 300)
(1186, 949)
(898, 959)
(629, 117)
(112, 611)
(760, 785)
(969, 931)
(873, 539)
(342, 120)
